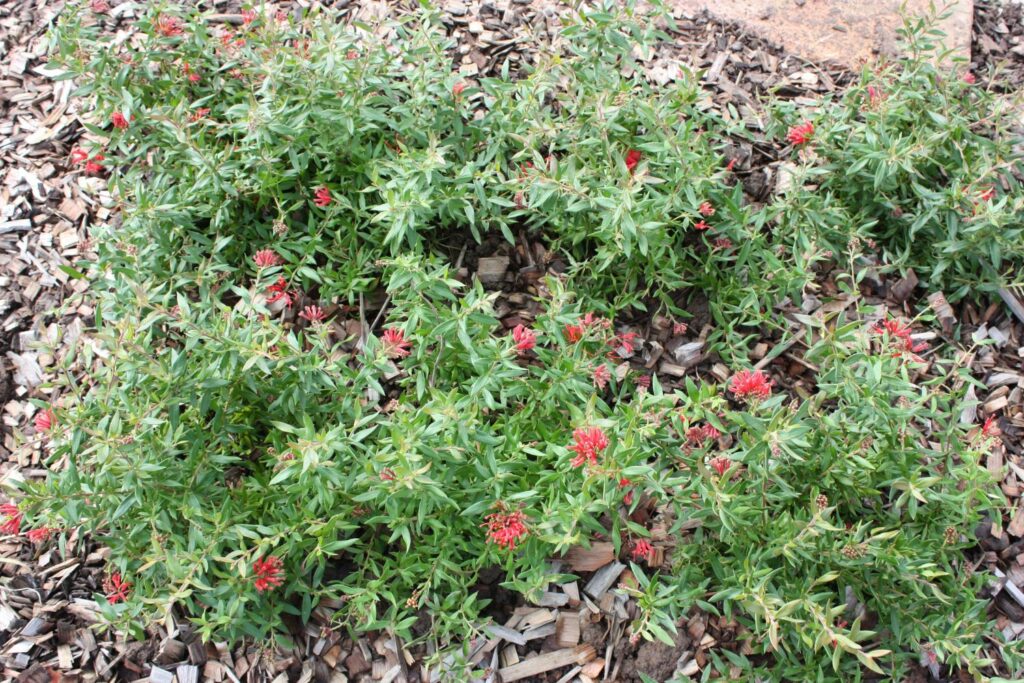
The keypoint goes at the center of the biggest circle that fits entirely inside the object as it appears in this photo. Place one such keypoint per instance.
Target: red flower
(248, 16)
(711, 433)
(322, 197)
(387, 474)
(573, 332)
(117, 588)
(395, 344)
(352, 54)
(281, 15)
(78, 155)
(801, 134)
(198, 114)
(279, 292)
(900, 334)
(679, 329)
(624, 343)
(269, 573)
(95, 165)
(589, 441)
(99, 6)
(313, 314)
(987, 194)
(628, 497)
(969, 78)
(720, 464)
(750, 385)
(39, 535)
(722, 243)
(11, 525)
(524, 338)
(701, 226)
(505, 529)
(874, 95)
(705, 209)
(642, 550)
(600, 376)
(265, 258)
(643, 381)
(732, 164)
(990, 428)
(119, 120)
(458, 88)
(44, 420)
(632, 159)
(169, 26)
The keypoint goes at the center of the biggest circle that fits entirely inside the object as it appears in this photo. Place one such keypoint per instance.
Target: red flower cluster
(458, 88)
(750, 385)
(12, 523)
(395, 344)
(279, 292)
(44, 420)
(900, 334)
(313, 314)
(524, 338)
(701, 226)
(987, 195)
(601, 376)
(575, 332)
(93, 166)
(642, 550)
(198, 114)
(588, 442)
(706, 209)
(248, 16)
(119, 120)
(40, 534)
(387, 474)
(322, 197)
(799, 135)
(632, 159)
(99, 6)
(265, 258)
(505, 529)
(117, 588)
(990, 429)
(720, 464)
(628, 497)
(169, 26)
(679, 329)
(969, 78)
(269, 573)
(698, 435)
(193, 77)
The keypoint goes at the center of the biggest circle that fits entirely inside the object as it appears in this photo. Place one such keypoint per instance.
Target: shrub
(255, 447)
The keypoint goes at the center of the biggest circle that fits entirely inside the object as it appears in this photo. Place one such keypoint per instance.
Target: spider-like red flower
(750, 385)
(313, 314)
(94, 166)
(801, 134)
(78, 155)
(395, 344)
(39, 534)
(458, 88)
(265, 258)
(706, 209)
(987, 195)
(722, 243)
(588, 442)
(874, 95)
(279, 292)
(524, 338)
(12, 521)
(119, 120)
(970, 78)
(268, 573)
(600, 376)
(632, 159)
(642, 549)
(99, 6)
(44, 420)
(387, 474)
(352, 54)
(701, 226)
(628, 497)
(720, 464)
(732, 164)
(990, 428)
(679, 329)
(169, 26)
(248, 16)
(506, 528)
(198, 114)
(900, 334)
(322, 197)
(624, 344)
(573, 332)
(117, 588)
(643, 381)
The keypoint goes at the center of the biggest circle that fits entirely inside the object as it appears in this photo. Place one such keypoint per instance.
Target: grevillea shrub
(253, 446)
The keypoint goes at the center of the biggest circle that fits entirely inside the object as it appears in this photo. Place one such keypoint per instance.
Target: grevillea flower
(750, 385)
(12, 519)
(119, 120)
(642, 549)
(352, 54)
(40, 534)
(524, 338)
(193, 77)
(322, 197)
(458, 88)
(44, 420)
(169, 26)
(732, 164)
(506, 528)
(78, 155)
(117, 588)
(874, 95)
(313, 314)
(643, 381)
(706, 209)
(198, 114)
(281, 15)
(901, 335)
(248, 16)
(632, 159)
(628, 497)
(801, 134)
(969, 78)
(94, 166)
(723, 243)
(720, 464)
(387, 474)
(600, 376)
(265, 258)
(679, 329)
(701, 226)
(987, 194)
(99, 6)
(279, 292)
(268, 573)
(625, 343)
(588, 443)
(990, 428)
(573, 332)
(395, 344)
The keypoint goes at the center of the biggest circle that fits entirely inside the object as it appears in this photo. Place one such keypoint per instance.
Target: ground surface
(45, 216)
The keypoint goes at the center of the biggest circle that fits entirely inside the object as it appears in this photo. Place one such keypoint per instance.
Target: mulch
(47, 614)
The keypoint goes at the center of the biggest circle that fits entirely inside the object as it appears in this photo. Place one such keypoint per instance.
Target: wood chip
(603, 579)
(590, 559)
(567, 629)
(547, 662)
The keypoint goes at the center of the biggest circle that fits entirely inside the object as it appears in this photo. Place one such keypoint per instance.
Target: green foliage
(220, 430)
